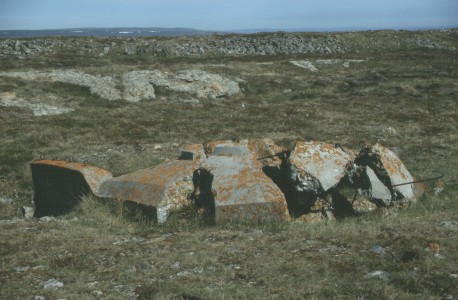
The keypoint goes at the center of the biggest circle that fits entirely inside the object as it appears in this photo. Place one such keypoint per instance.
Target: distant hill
(115, 31)
(161, 31)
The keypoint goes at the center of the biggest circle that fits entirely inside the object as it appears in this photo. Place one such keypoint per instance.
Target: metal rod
(422, 180)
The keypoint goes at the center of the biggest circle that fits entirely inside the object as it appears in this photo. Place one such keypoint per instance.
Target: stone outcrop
(139, 85)
(9, 99)
(103, 86)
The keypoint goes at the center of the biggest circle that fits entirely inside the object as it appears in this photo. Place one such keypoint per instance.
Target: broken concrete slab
(165, 187)
(323, 161)
(398, 174)
(59, 185)
(241, 189)
(245, 180)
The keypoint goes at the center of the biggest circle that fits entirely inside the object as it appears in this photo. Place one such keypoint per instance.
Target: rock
(453, 225)
(138, 86)
(203, 85)
(378, 249)
(27, 212)
(9, 99)
(438, 187)
(5, 200)
(363, 205)
(21, 269)
(311, 218)
(105, 87)
(377, 275)
(97, 293)
(304, 64)
(52, 284)
(176, 265)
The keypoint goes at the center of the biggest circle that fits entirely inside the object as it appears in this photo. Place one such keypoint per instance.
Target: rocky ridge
(237, 44)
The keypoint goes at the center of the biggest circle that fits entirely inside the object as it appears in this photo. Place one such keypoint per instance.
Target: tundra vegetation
(398, 88)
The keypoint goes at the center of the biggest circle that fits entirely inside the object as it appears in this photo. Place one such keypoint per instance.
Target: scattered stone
(39, 298)
(46, 219)
(377, 275)
(311, 218)
(9, 99)
(5, 200)
(304, 64)
(157, 147)
(27, 212)
(438, 187)
(454, 276)
(11, 221)
(97, 293)
(378, 249)
(433, 247)
(362, 205)
(144, 266)
(389, 131)
(92, 284)
(19, 269)
(52, 284)
(176, 265)
(453, 225)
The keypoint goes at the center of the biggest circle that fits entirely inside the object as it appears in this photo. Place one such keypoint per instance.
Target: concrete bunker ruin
(245, 180)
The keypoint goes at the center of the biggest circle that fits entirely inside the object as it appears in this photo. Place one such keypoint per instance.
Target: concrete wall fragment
(321, 160)
(59, 185)
(398, 174)
(242, 190)
(165, 187)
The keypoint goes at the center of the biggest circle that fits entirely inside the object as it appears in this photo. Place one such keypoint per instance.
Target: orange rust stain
(93, 175)
(392, 163)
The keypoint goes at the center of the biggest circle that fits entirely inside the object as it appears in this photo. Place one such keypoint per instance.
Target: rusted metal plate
(243, 191)
(398, 174)
(165, 186)
(323, 161)
(59, 185)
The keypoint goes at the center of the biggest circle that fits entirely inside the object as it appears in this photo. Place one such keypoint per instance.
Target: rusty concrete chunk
(59, 185)
(241, 189)
(164, 187)
(323, 161)
(398, 174)
(248, 180)
(192, 152)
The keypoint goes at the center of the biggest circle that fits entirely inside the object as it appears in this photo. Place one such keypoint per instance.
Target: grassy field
(403, 98)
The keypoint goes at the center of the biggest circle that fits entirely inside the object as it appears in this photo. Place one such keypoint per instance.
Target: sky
(229, 14)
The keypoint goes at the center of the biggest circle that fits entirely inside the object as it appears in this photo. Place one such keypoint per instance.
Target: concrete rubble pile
(244, 180)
